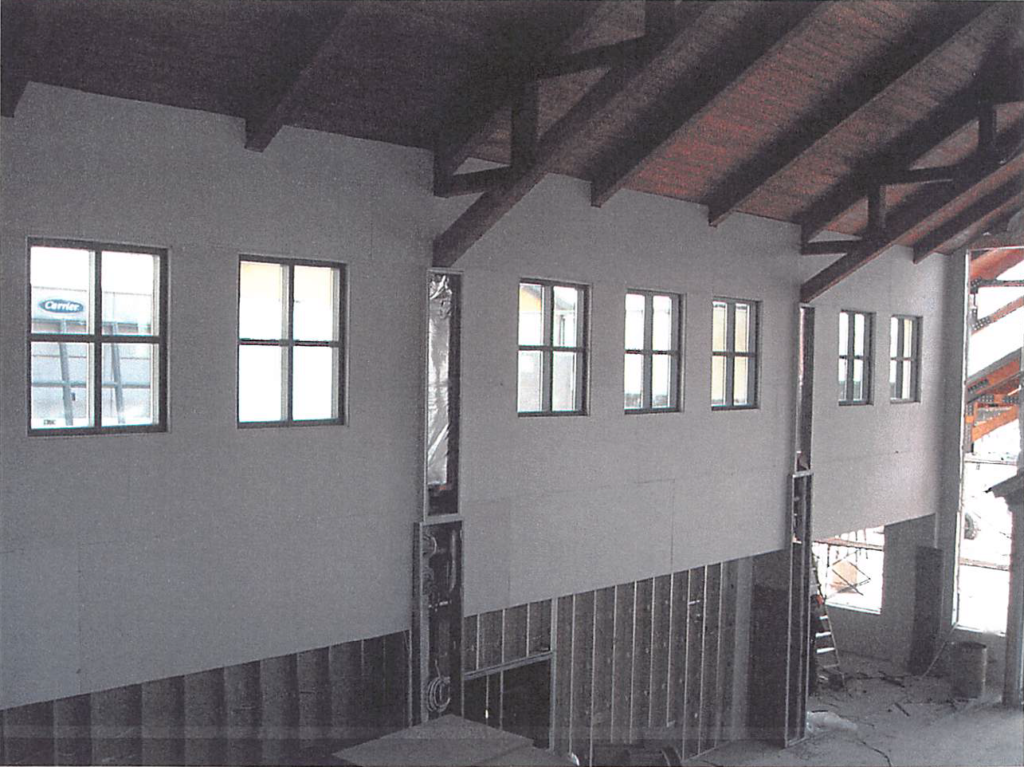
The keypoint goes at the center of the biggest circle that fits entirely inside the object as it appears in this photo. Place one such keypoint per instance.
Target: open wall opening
(850, 568)
(991, 435)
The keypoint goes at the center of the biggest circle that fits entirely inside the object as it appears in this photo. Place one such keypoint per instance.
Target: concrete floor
(888, 718)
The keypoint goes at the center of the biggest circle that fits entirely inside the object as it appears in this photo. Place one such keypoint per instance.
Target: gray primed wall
(131, 557)
(143, 556)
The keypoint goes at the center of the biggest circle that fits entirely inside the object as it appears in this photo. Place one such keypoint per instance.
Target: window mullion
(730, 356)
(647, 365)
(548, 360)
(289, 355)
(97, 366)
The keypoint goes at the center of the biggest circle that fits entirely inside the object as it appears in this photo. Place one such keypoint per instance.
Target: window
(651, 373)
(290, 361)
(97, 338)
(734, 330)
(552, 348)
(904, 346)
(850, 568)
(854, 358)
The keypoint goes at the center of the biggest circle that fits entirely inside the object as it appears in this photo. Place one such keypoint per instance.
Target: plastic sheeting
(439, 343)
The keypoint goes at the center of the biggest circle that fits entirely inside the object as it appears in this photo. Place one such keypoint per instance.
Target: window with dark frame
(651, 368)
(904, 358)
(734, 354)
(552, 348)
(97, 341)
(291, 364)
(855, 329)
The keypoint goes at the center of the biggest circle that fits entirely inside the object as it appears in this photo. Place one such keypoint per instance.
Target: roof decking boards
(791, 111)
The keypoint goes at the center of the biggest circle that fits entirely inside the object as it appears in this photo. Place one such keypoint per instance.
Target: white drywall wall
(139, 556)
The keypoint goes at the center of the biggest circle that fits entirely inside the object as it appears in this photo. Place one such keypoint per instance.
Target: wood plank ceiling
(881, 122)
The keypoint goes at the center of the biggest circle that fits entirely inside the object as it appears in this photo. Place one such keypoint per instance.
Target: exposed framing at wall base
(266, 711)
(645, 664)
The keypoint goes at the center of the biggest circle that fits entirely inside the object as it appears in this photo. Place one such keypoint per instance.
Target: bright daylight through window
(552, 348)
(734, 354)
(854, 358)
(651, 372)
(850, 568)
(97, 338)
(290, 355)
(904, 346)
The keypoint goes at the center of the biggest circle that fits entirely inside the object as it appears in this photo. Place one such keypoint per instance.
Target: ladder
(826, 654)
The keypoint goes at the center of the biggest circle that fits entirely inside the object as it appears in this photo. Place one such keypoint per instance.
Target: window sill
(855, 404)
(289, 424)
(651, 410)
(730, 408)
(904, 402)
(86, 431)
(551, 413)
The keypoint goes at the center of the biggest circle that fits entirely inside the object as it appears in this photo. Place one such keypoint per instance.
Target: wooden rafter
(998, 240)
(16, 31)
(976, 172)
(992, 263)
(477, 119)
(862, 90)
(620, 80)
(268, 118)
(691, 99)
(983, 212)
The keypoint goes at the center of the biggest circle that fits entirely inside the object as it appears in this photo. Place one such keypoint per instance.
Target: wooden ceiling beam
(864, 89)
(17, 28)
(619, 81)
(268, 118)
(981, 213)
(998, 240)
(688, 101)
(473, 121)
(976, 172)
(827, 247)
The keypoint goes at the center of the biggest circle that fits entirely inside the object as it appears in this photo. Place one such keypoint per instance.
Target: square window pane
(858, 381)
(718, 380)
(262, 301)
(260, 376)
(843, 365)
(719, 320)
(130, 385)
(61, 385)
(844, 332)
(741, 382)
(908, 381)
(531, 314)
(661, 381)
(742, 328)
(131, 287)
(531, 377)
(859, 333)
(314, 383)
(894, 337)
(566, 313)
(61, 294)
(908, 337)
(662, 331)
(635, 309)
(565, 381)
(633, 381)
(316, 290)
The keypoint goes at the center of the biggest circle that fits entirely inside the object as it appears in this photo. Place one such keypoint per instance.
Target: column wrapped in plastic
(439, 327)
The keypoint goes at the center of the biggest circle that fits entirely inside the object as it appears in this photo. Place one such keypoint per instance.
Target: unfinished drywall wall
(132, 557)
(135, 557)
(879, 463)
